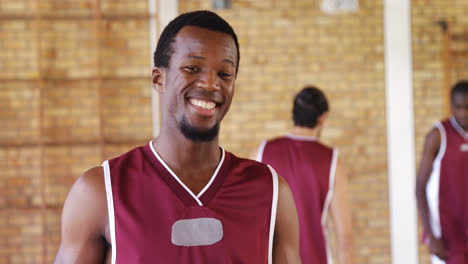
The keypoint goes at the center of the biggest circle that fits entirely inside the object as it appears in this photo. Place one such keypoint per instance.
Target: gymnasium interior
(75, 90)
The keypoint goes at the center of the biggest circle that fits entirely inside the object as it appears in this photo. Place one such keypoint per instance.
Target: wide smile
(203, 107)
(203, 104)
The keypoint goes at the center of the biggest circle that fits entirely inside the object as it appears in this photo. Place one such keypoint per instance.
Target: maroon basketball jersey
(309, 168)
(155, 218)
(447, 191)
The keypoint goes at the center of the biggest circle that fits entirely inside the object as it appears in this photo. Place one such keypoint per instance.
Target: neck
(194, 163)
(463, 128)
(307, 131)
(180, 152)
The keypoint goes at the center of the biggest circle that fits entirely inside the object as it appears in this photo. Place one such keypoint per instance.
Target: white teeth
(202, 104)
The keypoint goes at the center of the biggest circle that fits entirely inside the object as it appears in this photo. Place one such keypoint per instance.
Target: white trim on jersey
(214, 174)
(432, 187)
(300, 137)
(458, 128)
(274, 206)
(110, 209)
(328, 199)
(196, 197)
(260, 151)
(436, 260)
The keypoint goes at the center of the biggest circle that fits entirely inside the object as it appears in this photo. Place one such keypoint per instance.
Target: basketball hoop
(336, 6)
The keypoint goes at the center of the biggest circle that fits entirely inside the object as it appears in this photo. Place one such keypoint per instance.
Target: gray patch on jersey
(464, 147)
(197, 232)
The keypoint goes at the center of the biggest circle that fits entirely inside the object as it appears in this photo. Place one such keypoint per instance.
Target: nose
(209, 81)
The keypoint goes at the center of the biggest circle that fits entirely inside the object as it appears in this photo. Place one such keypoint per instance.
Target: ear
(322, 118)
(157, 79)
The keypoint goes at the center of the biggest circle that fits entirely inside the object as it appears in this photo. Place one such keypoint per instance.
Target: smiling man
(442, 183)
(182, 198)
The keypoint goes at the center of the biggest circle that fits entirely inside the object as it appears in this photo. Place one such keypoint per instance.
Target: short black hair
(309, 104)
(461, 87)
(202, 18)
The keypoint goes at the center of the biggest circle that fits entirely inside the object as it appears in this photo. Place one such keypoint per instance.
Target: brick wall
(35, 182)
(284, 46)
(428, 75)
(288, 44)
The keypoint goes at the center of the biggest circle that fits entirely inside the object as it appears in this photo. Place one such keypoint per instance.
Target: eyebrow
(230, 61)
(203, 58)
(196, 57)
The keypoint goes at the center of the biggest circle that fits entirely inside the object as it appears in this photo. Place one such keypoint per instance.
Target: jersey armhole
(261, 148)
(331, 187)
(443, 141)
(110, 209)
(433, 183)
(274, 207)
(328, 199)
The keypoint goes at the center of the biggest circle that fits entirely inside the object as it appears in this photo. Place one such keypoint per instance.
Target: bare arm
(431, 148)
(84, 221)
(341, 216)
(286, 238)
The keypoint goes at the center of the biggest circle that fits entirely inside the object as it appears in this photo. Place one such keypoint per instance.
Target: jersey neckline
(458, 128)
(298, 137)
(180, 189)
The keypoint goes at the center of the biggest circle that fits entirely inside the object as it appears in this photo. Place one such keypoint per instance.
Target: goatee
(198, 135)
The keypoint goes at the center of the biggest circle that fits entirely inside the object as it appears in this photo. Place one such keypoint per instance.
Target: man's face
(199, 82)
(460, 109)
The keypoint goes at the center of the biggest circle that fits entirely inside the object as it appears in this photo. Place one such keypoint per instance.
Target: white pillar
(400, 131)
(166, 11)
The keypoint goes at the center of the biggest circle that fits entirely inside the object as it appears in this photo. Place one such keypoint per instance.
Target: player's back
(308, 167)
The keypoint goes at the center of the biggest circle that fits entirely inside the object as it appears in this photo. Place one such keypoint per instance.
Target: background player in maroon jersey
(196, 63)
(316, 176)
(442, 183)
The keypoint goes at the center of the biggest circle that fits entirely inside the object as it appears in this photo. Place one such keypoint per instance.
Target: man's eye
(192, 69)
(224, 75)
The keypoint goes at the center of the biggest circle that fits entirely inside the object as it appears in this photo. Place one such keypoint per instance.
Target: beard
(192, 133)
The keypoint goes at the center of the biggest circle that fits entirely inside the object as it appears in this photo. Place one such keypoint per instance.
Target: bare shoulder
(341, 169)
(433, 135)
(89, 191)
(286, 239)
(432, 141)
(286, 215)
(431, 148)
(84, 220)
(91, 180)
(283, 186)
(286, 205)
